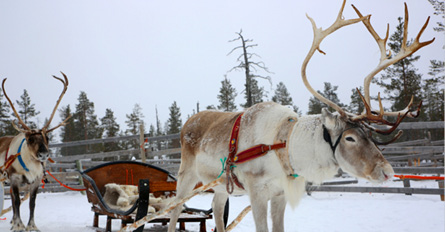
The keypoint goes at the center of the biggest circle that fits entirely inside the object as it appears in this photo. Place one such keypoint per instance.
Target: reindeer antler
(65, 87)
(386, 60)
(319, 35)
(45, 128)
(14, 110)
(368, 116)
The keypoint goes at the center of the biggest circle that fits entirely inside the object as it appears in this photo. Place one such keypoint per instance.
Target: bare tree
(247, 64)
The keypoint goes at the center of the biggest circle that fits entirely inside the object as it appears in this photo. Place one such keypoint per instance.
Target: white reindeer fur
(32, 163)
(263, 178)
(16, 173)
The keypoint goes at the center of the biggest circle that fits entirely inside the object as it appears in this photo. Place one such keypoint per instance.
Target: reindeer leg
(32, 204)
(17, 224)
(218, 205)
(258, 200)
(187, 180)
(277, 207)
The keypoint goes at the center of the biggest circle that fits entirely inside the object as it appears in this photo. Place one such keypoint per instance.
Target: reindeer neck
(310, 154)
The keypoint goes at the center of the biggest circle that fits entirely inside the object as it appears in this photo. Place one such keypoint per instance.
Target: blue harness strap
(20, 156)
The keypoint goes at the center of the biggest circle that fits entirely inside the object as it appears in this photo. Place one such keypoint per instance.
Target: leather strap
(244, 156)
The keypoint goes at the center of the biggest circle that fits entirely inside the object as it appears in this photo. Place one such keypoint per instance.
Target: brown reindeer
(291, 150)
(23, 158)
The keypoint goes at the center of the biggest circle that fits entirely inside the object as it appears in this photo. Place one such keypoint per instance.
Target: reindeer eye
(350, 139)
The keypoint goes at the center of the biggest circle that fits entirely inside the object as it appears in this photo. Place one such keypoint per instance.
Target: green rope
(294, 175)
(223, 162)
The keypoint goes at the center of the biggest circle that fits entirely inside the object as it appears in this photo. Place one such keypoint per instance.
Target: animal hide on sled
(123, 197)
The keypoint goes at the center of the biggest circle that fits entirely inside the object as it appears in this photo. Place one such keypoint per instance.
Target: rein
(61, 184)
(328, 139)
(9, 160)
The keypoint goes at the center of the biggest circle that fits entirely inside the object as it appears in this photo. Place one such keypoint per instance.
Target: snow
(322, 211)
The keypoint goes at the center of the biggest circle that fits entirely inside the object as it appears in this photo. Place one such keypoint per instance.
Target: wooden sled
(149, 178)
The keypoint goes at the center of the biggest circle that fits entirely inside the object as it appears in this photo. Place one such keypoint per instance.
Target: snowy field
(373, 212)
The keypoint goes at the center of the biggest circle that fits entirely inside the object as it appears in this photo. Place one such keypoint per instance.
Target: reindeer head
(350, 134)
(37, 140)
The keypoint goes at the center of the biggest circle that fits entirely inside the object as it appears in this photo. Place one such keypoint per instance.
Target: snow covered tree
(283, 97)
(110, 129)
(356, 106)
(6, 127)
(134, 120)
(174, 121)
(67, 132)
(257, 94)
(439, 9)
(329, 92)
(86, 124)
(226, 96)
(27, 110)
(401, 80)
(433, 99)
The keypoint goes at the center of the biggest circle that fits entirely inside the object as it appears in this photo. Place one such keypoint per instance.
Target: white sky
(156, 52)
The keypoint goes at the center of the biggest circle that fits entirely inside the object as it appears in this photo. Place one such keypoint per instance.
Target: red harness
(244, 156)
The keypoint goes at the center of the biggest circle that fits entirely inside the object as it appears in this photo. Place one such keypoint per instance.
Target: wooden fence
(413, 157)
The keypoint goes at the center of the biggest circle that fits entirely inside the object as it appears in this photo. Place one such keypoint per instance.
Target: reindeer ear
(328, 119)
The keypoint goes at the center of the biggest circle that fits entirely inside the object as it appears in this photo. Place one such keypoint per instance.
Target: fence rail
(404, 156)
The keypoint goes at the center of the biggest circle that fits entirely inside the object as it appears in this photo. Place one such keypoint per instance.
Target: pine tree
(226, 96)
(329, 92)
(86, 124)
(253, 94)
(256, 96)
(6, 127)
(356, 106)
(401, 80)
(111, 129)
(152, 131)
(174, 122)
(283, 97)
(158, 124)
(439, 9)
(67, 132)
(27, 110)
(433, 99)
(134, 120)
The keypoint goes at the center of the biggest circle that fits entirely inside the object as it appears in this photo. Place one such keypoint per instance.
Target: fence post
(142, 142)
(407, 184)
(441, 186)
(80, 169)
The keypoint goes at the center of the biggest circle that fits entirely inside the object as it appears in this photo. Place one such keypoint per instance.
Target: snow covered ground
(70, 212)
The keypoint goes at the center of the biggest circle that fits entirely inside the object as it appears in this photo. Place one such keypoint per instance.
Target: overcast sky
(156, 52)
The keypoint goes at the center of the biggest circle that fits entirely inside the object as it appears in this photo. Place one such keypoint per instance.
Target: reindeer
(277, 152)
(23, 158)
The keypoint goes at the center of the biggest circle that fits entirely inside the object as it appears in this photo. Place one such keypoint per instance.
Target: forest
(399, 83)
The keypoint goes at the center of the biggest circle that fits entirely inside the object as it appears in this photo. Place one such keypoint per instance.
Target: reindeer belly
(35, 173)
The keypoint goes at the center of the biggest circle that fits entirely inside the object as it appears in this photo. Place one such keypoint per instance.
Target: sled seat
(149, 179)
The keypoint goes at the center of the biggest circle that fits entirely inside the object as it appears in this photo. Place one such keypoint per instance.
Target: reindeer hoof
(32, 228)
(18, 228)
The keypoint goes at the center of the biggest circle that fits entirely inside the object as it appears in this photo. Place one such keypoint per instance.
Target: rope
(222, 162)
(66, 186)
(402, 177)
